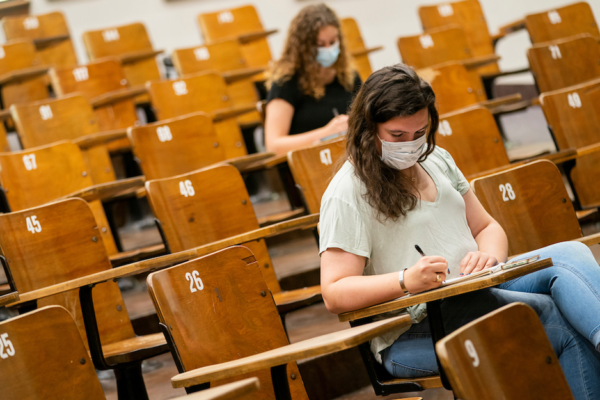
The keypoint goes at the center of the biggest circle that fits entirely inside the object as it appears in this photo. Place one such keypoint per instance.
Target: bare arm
(277, 128)
(489, 235)
(344, 288)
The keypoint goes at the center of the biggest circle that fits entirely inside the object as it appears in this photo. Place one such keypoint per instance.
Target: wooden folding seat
(436, 46)
(105, 85)
(356, 46)
(455, 88)
(469, 16)
(22, 77)
(491, 358)
(531, 203)
(50, 34)
(61, 241)
(227, 58)
(222, 323)
(563, 22)
(208, 206)
(205, 92)
(132, 46)
(572, 115)
(312, 169)
(565, 62)
(45, 358)
(67, 118)
(36, 176)
(472, 137)
(241, 23)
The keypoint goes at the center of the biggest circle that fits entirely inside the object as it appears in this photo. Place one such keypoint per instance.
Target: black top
(310, 113)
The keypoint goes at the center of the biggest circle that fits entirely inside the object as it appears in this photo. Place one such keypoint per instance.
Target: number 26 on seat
(195, 281)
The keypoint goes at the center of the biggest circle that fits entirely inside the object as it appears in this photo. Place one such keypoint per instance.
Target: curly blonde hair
(299, 54)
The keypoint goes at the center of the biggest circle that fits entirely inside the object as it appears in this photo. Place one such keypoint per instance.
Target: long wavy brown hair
(395, 91)
(300, 52)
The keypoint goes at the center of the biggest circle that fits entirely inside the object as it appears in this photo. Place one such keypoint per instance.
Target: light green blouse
(440, 228)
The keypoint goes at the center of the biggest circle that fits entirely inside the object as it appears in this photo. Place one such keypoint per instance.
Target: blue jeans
(565, 297)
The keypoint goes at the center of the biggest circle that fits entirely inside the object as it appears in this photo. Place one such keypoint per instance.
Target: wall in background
(172, 23)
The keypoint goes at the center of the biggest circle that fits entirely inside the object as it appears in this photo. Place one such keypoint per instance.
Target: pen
(423, 254)
(335, 112)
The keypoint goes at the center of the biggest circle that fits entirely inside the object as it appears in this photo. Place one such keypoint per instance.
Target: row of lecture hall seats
(60, 252)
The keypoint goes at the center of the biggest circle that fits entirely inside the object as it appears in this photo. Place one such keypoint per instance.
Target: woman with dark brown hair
(311, 85)
(397, 189)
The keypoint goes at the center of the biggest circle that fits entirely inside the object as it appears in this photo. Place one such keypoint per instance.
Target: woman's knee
(570, 253)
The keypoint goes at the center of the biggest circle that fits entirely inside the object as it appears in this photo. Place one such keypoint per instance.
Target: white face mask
(402, 155)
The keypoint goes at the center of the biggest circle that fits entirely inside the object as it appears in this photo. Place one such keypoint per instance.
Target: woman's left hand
(476, 261)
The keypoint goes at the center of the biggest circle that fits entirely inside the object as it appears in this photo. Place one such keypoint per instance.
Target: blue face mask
(327, 56)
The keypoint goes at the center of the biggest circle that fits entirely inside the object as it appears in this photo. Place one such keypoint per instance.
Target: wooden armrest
(504, 73)
(558, 158)
(225, 113)
(477, 62)
(306, 222)
(513, 98)
(511, 107)
(509, 28)
(592, 148)
(362, 52)
(21, 74)
(295, 299)
(243, 161)
(105, 191)
(139, 267)
(95, 139)
(9, 298)
(134, 56)
(135, 348)
(128, 257)
(589, 240)
(229, 391)
(118, 95)
(314, 347)
(5, 114)
(240, 74)
(266, 163)
(250, 37)
(41, 42)
(447, 291)
(280, 217)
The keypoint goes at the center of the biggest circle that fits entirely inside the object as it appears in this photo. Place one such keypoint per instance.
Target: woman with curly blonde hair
(311, 86)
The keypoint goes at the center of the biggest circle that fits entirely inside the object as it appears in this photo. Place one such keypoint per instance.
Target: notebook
(489, 271)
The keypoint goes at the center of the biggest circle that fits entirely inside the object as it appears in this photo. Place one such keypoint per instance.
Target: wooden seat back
(491, 358)
(354, 42)
(561, 23)
(222, 56)
(37, 176)
(4, 146)
(572, 115)
(48, 121)
(436, 46)
(205, 206)
(20, 55)
(472, 138)
(218, 308)
(45, 248)
(313, 167)
(172, 147)
(454, 86)
(95, 79)
(468, 14)
(57, 52)
(531, 203)
(232, 22)
(45, 358)
(122, 40)
(564, 62)
(205, 92)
